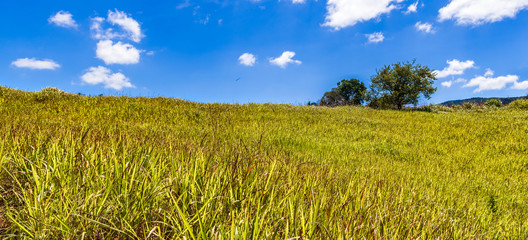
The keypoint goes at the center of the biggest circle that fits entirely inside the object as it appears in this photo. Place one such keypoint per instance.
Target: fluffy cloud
(520, 85)
(99, 33)
(345, 13)
(102, 75)
(476, 12)
(489, 73)
(460, 80)
(118, 53)
(33, 63)
(447, 84)
(63, 19)
(375, 37)
(129, 27)
(455, 67)
(412, 8)
(450, 83)
(285, 59)
(247, 59)
(491, 83)
(298, 1)
(424, 27)
(128, 24)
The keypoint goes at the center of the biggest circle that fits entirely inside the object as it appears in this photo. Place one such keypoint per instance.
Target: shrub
(426, 108)
(435, 108)
(48, 94)
(468, 105)
(378, 103)
(493, 103)
(519, 104)
(441, 108)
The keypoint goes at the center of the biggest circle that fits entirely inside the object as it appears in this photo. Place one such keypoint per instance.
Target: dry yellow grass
(107, 167)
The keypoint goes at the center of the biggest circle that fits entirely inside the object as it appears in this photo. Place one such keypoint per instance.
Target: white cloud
(63, 19)
(247, 59)
(476, 12)
(102, 75)
(455, 67)
(447, 84)
(298, 1)
(412, 8)
(130, 28)
(460, 80)
(33, 63)
(424, 27)
(285, 59)
(99, 33)
(450, 83)
(118, 53)
(489, 73)
(375, 37)
(520, 85)
(127, 23)
(345, 13)
(488, 82)
(491, 83)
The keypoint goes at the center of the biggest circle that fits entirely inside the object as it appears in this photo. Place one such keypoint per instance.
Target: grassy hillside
(118, 167)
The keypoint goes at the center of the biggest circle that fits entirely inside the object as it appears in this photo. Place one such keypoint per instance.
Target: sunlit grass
(105, 167)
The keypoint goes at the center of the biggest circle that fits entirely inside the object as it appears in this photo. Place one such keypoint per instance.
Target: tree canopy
(347, 92)
(400, 84)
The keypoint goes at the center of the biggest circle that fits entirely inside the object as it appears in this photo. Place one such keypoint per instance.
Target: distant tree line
(393, 86)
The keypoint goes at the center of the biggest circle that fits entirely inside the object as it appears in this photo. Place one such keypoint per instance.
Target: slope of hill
(135, 168)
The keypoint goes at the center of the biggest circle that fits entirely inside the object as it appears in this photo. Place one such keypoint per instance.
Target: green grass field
(75, 167)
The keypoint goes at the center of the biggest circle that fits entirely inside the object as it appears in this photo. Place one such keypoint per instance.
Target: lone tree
(347, 92)
(401, 84)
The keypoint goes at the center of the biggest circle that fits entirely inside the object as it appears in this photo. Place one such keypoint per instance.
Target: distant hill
(479, 100)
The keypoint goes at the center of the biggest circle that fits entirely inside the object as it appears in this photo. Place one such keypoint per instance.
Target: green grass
(76, 167)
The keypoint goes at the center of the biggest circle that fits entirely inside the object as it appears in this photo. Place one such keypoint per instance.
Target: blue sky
(288, 51)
